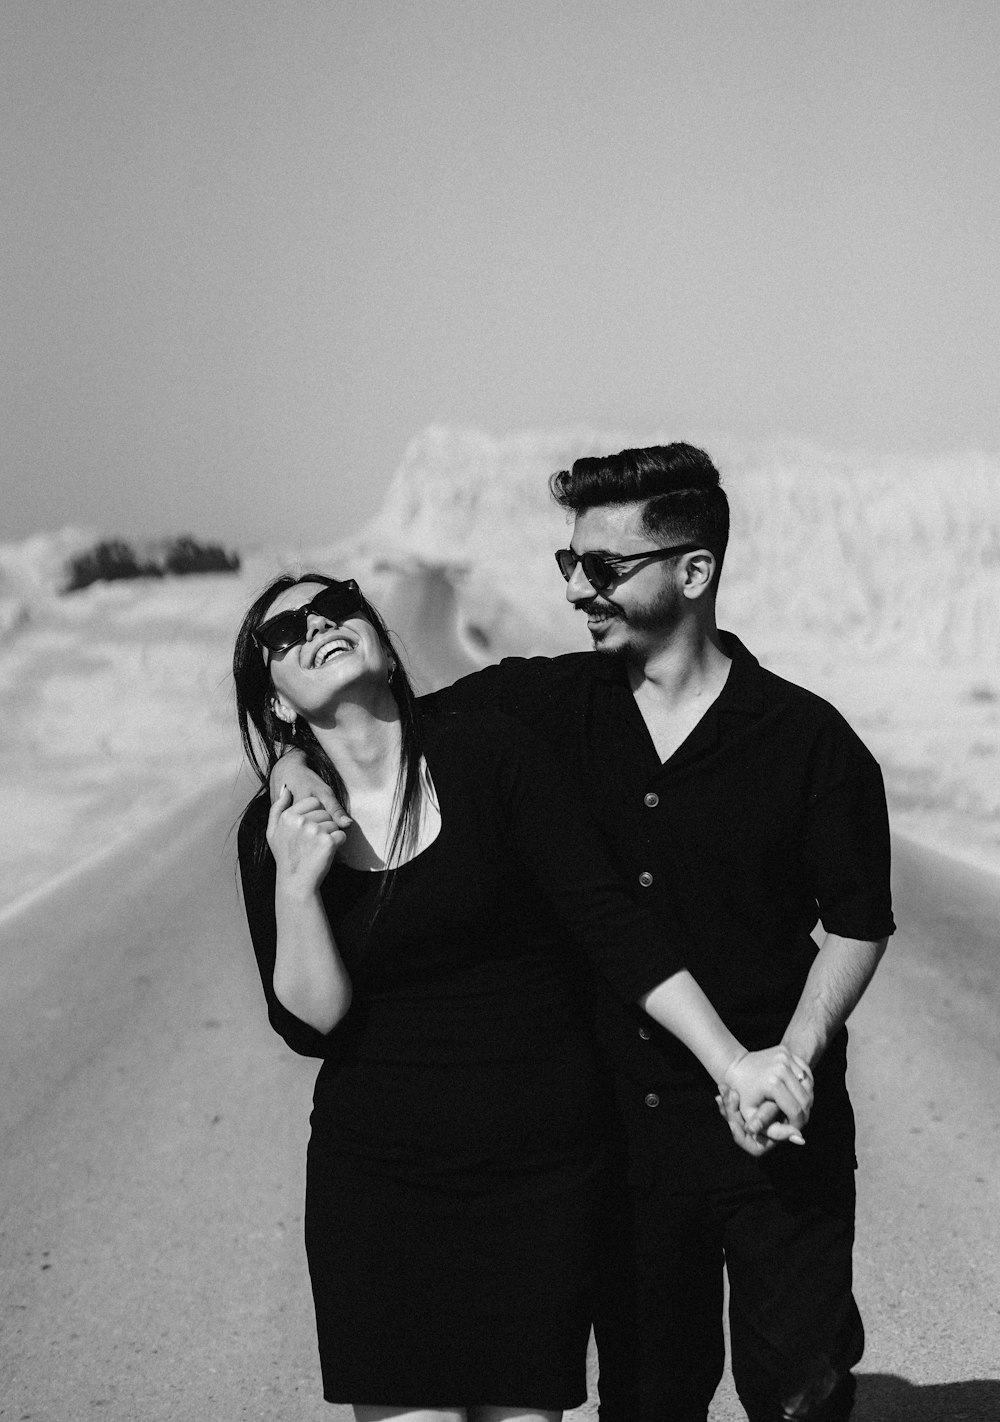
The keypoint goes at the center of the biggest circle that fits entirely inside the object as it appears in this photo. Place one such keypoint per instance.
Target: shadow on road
(882, 1397)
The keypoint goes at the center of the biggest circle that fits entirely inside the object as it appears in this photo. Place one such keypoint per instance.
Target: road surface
(153, 1131)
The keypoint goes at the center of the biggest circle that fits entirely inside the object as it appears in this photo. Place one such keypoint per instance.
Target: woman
(454, 1167)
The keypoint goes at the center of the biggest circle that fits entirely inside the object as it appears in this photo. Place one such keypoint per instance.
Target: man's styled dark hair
(679, 484)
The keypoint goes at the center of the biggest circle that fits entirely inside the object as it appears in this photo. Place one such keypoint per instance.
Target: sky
(249, 249)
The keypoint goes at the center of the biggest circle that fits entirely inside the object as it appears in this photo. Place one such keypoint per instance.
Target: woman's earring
(283, 714)
(392, 667)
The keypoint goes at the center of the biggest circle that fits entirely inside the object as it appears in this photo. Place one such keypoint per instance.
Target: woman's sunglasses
(602, 569)
(335, 603)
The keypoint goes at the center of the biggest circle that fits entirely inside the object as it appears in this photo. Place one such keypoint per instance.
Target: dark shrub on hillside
(105, 563)
(185, 555)
(114, 558)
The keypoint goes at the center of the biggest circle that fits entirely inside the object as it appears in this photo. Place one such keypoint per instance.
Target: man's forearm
(840, 972)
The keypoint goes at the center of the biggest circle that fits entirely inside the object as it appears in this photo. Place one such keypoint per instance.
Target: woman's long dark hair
(266, 737)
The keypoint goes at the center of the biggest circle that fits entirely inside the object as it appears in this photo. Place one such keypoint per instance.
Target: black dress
(458, 1129)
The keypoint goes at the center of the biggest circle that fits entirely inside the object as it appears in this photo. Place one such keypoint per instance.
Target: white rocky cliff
(877, 583)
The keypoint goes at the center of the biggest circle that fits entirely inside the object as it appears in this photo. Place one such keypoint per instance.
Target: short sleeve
(532, 690)
(257, 877)
(478, 691)
(846, 845)
(560, 847)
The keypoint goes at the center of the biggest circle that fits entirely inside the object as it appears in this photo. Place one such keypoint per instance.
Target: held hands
(304, 839)
(292, 771)
(766, 1098)
(771, 1130)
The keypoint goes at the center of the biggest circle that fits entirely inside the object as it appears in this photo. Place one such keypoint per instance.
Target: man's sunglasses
(335, 603)
(602, 569)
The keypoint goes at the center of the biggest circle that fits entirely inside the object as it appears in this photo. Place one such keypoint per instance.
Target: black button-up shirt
(769, 819)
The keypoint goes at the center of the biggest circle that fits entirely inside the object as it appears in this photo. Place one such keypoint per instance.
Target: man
(746, 808)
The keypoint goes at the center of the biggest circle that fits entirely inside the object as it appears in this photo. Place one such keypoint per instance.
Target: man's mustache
(595, 605)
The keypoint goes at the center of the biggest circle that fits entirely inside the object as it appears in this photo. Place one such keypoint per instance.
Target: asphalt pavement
(153, 1134)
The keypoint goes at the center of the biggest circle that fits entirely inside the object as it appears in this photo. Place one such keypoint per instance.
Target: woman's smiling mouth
(332, 648)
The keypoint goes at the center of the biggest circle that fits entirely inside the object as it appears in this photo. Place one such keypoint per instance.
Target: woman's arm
(774, 1074)
(309, 978)
(257, 879)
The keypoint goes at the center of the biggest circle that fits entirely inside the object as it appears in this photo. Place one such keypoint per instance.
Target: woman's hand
(774, 1075)
(304, 839)
(771, 1128)
(292, 771)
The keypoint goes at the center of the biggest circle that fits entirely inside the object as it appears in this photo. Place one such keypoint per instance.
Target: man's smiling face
(633, 616)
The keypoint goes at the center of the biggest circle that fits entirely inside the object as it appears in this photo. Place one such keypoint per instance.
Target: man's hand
(304, 840)
(291, 770)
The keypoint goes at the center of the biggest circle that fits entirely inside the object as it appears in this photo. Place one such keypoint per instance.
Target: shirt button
(645, 878)
(644, 1033)
(651, 800)
(652, 1099)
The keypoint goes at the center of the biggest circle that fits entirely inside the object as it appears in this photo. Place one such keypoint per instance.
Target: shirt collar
(742, 693)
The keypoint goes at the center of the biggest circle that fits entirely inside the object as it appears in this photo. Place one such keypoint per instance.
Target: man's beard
(654, 623)
(597, 633)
